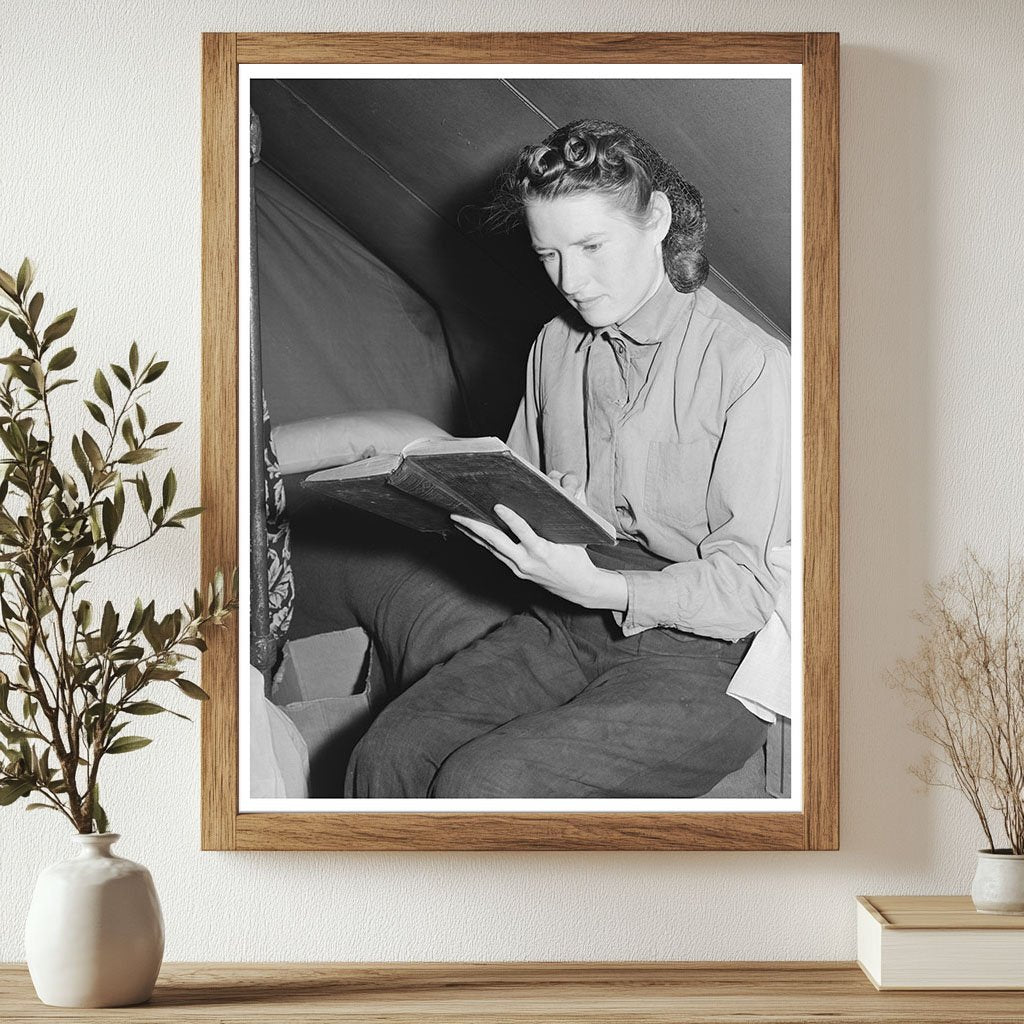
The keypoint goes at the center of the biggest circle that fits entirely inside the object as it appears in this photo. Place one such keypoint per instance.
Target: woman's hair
(601, 156)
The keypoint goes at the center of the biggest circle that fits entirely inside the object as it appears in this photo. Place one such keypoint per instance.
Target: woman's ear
(661, 215)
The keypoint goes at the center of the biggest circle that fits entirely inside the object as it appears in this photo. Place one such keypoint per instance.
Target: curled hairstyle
(601, 156)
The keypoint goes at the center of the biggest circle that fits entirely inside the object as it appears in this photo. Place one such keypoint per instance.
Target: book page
(453, 445)
(379, 465)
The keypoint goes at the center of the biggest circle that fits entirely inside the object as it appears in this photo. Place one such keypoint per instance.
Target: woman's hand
(570, 483)
(564, 569)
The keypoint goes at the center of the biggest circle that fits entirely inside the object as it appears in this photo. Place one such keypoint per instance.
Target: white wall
(100, 183)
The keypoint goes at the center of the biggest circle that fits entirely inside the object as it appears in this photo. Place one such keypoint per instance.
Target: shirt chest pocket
(676, 482)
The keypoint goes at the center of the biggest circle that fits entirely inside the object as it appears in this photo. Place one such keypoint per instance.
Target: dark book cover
(469, 476)
(369, 490)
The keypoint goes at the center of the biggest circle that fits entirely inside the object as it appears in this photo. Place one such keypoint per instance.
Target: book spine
(411, 477)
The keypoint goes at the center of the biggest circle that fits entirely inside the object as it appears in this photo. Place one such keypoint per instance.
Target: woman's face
(596, 255)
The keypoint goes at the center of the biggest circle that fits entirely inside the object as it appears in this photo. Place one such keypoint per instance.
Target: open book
(433, 477)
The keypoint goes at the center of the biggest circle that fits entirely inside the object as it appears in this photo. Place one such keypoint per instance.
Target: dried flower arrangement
(967, 679)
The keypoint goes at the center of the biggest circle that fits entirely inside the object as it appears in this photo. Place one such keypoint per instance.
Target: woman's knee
(491, 767)
(389, 760)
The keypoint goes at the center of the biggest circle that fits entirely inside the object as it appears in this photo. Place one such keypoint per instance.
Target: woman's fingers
(487, 547)
(517, 524)
(471, 533)
(570, 483)
(498, 541)
(493, 538)
(574, 486)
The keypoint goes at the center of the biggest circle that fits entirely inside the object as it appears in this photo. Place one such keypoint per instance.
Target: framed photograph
(520, 419)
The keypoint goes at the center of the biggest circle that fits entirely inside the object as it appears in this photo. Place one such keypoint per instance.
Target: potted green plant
(78, 672)
(967, 681)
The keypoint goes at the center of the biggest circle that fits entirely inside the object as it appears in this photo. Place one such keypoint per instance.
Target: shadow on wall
(888, 273)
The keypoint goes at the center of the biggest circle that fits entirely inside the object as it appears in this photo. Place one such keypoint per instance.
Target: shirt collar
(648, 324)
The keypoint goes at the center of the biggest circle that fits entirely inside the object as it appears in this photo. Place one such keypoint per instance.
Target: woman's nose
(570, 275)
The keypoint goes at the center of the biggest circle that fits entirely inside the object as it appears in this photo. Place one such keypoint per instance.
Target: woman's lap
(513, 703)
(656, 725)
(559, 704)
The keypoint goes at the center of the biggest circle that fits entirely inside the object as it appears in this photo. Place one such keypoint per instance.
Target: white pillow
(308, 445)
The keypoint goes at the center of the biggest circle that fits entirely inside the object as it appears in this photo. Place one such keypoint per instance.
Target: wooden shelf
(658, 993)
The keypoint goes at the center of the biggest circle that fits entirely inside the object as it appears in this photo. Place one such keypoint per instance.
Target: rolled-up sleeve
(729, 590)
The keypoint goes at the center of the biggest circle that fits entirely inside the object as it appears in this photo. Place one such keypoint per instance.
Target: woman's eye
(592, 246)
(545, 257)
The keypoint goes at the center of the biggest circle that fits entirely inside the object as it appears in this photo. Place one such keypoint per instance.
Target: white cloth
(278, 758)
(763, 682)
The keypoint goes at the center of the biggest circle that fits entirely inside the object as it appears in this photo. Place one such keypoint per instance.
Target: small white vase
(95, 933)
(999, 882)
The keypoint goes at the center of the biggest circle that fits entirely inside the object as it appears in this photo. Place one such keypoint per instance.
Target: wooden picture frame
(815, 826)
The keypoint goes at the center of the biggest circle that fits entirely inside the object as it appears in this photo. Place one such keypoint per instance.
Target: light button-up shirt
(678, 422)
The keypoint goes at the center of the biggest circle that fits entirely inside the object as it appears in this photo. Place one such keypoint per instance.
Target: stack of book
(938, 942)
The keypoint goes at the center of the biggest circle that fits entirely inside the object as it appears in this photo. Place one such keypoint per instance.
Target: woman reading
(669, 413)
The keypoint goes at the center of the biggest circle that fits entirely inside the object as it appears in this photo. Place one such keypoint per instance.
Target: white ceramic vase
(95, 933)
(999, 882)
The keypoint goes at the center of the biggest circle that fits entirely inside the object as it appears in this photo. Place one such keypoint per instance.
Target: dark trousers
(550, 701)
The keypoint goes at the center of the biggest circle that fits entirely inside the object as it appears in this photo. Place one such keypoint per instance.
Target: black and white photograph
(524, 502)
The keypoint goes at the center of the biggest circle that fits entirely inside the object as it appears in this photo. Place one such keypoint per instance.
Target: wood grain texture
(520, 831)
(219, 429)
(817, 827)
(526, 993)
(521, 48)
(821, 440)
(943, 913)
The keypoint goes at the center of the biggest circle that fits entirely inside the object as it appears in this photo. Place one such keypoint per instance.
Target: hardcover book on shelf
(431, 478)
(938, 942)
